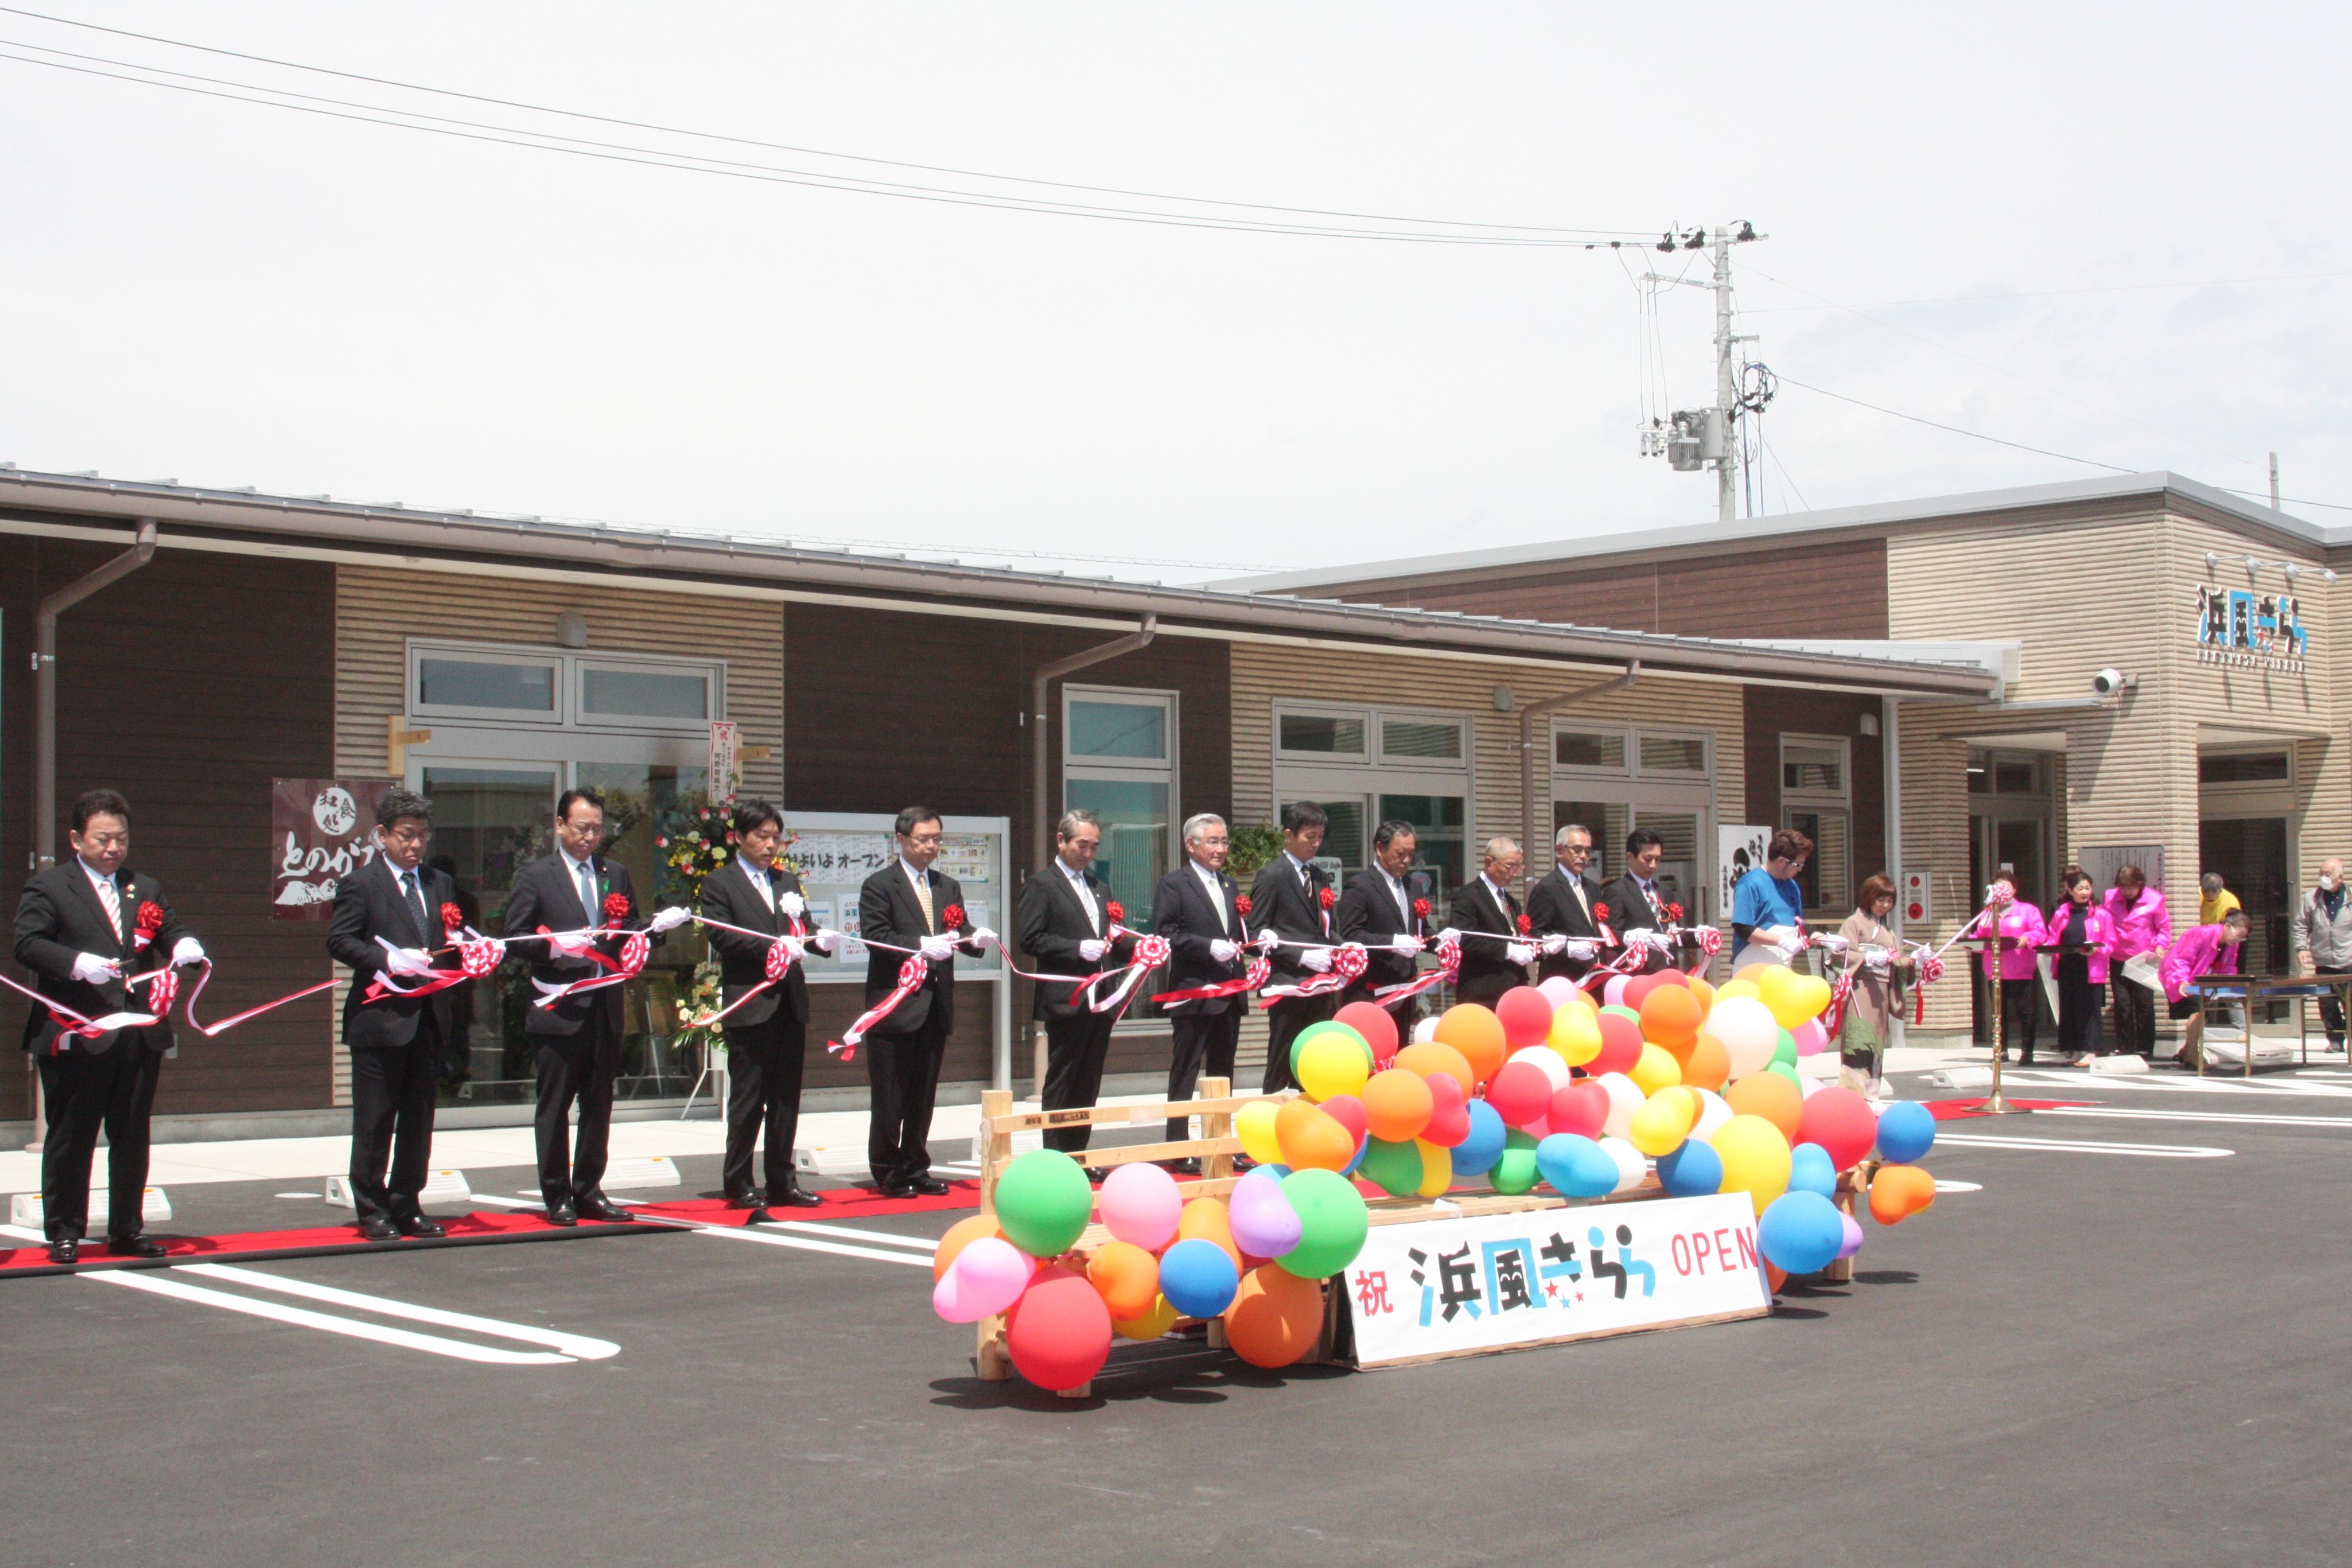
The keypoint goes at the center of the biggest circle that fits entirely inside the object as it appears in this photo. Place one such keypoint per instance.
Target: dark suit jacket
(886, 912)
(1486, 972)
(1552, 909)
(368, 905)
(1049, 925)
(1629, 910)
(1292, 909)
(728, 895)
(1182, 912)
(545, 894)
(60, 917)
(1367, 913)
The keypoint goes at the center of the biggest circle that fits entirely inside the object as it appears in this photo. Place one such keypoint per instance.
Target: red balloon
(1449, 1116)
(1581, 1108)
(1348, 1111)
(1525, 1015)
(1058, 1332)
(1840, 1120)
(1376, 1024)
(1520, 1093)
(1620, 1045)
(1637, 987)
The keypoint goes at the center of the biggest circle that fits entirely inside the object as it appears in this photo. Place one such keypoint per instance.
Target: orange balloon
(1670, 1017)
(1208, 1218)
(1703, 992)
(1898, 1192)
(1708, 1065)
(1477, 1034)
(1311, 1138)
(1770, 1096)
(1397, 1104)
(1276, 1317)
(1436, 1056)
(1127, 1278)
(960, 1235)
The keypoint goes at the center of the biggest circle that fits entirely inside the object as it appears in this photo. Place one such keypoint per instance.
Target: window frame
(1365, 716)
(1122, 767)
(567, 664)
(714, 690)
(419, 649)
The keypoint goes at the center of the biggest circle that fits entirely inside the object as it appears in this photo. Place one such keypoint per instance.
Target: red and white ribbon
(1260, 971)
(164, 987)
(1448, 970)
(634, 950)
(911, 975)
(782, 955)
(1349, 962)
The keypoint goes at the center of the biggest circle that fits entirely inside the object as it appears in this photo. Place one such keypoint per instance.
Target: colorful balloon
(1150, 1325)
(962, 1234)
(1546, 1061)
(1839, 1121)
(1254, 1124)
(1516, 1171)
(1799, 1232)
(1310, 1139)
(1264, 1225)
(1620, 1042)
(1708, 1065)
(1141, 1205)
(1655, 1069)
(1125, 1277)
(1397, 1103)
(1558, 989)
(1770, 1096)
(1670, 1017)
(1476, 1154)
(1058, 1334)
(1631, 1166)
(1348, 1111)
(1477, 1034)
(1198, 1278)
(1274, 1318)
(1625, 1097)
(1525, 1014)
(1810, 1171)
(1336, 1061)
(1898, 1192)
(1205, 1219)
(1581, 1108)
(1906, 1130)
(1662, 1122)
(1746, 1030)
(1393, 1166)
(1520, 1093)
(1811, 1037)
(1449, 1113)
(1431, 1057)
(1692, 1170)
(1755, 1157)
(1852, 1243)
(1576, 1034)
(1576, 1166)
(1713, 1112)
(1436, 1169)
(1332, 1223)
(1043, 1202)
(988, 1276)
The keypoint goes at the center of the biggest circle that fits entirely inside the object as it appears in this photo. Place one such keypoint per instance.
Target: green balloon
(1516, 1172)
(1043, 1201)
(1394, 1168)
(1328, 1025)
(1789, 1072)
(1332, 1221)
(1623, 1011)
(1786, 1052)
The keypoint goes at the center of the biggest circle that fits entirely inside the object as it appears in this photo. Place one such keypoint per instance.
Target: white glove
(1222, 951)
(981, 936)
(407, 961)
(1877, 959)
(1093, 949)
(825, 941)
(1316, 958)
(187, 950)
(574, 946)
(92, 970)
(1834, 944)
(670, 919)
(1658, 939)
(795, 946)
(1579, 949)
(1451, 934)
(1520, 953)
(1406, 946)
(938, 949)
(1554, 943)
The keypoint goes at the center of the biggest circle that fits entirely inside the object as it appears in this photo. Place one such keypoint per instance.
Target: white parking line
(755, 1233)
(2062, 1145)
(577, 1346)
(2241, 1117)
(819, 1227)
(2082, 1084)
(154, 1283)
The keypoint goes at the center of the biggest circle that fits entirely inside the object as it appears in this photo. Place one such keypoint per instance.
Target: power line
(1566, 236)
(1788, 379)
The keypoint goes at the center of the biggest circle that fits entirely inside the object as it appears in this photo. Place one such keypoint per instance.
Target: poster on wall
(320, 831)
(1737, 852)
(834, 863)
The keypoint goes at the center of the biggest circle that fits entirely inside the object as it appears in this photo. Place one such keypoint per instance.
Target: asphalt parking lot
(2128, 1346)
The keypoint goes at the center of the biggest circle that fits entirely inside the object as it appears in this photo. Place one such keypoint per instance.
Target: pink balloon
(1559, 987)
(1851, 1242)
(987, 1277)
(1140, 1204)
(1811, 1037)
(1612, 993)
(1264, 1225)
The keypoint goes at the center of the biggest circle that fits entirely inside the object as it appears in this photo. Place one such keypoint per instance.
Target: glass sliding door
(488, 820)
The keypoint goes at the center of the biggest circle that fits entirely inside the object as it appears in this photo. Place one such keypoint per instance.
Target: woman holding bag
(2080, 934)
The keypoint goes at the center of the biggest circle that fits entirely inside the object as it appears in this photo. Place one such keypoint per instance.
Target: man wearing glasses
(908, 905)
(1562, 905)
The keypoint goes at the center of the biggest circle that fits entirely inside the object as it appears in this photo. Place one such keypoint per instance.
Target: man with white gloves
(907, 905)
(1064, 925)
(1381, 910)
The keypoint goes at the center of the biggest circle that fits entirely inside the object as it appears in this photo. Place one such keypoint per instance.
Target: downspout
(1528, 717)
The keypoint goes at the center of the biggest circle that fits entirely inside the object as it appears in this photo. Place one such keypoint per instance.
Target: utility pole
(1726, 380)
(2274, 505)
(1697, 438)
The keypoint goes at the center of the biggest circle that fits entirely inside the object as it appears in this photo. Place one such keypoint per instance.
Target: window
(1817, 800)
(618, 693)
(2242, 768)
(1998, 773)
(1320, 734)
(1683, 754)
(1806, 769)
(1118, 762)
(485, 686)
(451, 687)
(1123, 730)
(1438, 833)
(1594, 750)
(1383, 764)
(1421, 739)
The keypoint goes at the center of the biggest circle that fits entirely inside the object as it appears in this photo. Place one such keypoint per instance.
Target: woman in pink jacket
(2080, 933)
(2201, 950)
(2018, 926)
(2142, 925)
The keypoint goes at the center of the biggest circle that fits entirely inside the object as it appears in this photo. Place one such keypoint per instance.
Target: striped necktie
(113, 902)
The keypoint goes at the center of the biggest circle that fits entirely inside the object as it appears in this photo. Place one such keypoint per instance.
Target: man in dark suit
(1485, 904)
(1292, 897)
(1634, 901)
(1560, 909)
(82, 926)
(1064, 925)
(906, 904)
(384, 925)
(579, 1036)
(1197, 909)
(767, 1036)
(1381, 910)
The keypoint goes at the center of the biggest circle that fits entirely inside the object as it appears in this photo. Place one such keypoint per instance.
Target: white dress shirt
(1216, 894)
(1085, 894)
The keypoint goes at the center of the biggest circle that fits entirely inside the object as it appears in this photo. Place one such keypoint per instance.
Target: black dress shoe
(65, 1249)
(897, 1189)
(422, 1228)
(930, 1186)
(561, 1213)
(604, 1209)
(796, 1197)
(379, 1228)
(744, 1200)
(133, 1247)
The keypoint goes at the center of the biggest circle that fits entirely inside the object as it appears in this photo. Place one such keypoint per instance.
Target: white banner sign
(1739, 850)
(1457, 1287)
(726, 771)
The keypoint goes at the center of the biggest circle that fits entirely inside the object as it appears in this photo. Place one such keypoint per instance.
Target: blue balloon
(1476, 1154)
(1363, 1147)
(1694, 1170)
(1810, 1170)
(1905, 1130)
(1799, 1234)
(1576, 1166)
(1198, 1278)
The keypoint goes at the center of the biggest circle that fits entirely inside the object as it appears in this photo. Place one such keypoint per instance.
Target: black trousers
(116, 1091)
(576, 1069)
(1075, 1050)
(2135, 1015)
(1283, 1021)
(2021, 1013)
(902, 1071)
(393, 1091)
(764, 1063)
(2331, 1005)
(2079, 1005)
(1205, 1043)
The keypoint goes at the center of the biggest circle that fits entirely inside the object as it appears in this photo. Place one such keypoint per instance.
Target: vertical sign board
(1441, 1288)
(726, 768)
(320, 831)
(1739, 850)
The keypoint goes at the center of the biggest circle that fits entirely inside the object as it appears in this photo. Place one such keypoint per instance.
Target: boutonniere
(1116, 911)
(616, 908)
(1242, 902)
(1421, 908)
(951, 918)
(1326, 898)
(148, 922)
(1674, 912)
(453, 922)
(1526, 925)
(791, 904)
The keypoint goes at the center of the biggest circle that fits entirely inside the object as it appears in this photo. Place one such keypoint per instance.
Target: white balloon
(1748, 1032)
(1625, 1097)
(1809, 1087)
(1426, 1030)
(1713, 1112)
(1631, 1166)
(1554, 1065)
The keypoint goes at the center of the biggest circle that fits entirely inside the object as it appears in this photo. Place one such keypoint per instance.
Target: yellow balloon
(1253, 1124)
(1436, 1169)
(1332, 1064)
(1755, 1159)
(1685, 1102)
(1659, 1127)
(1576, 1034)
(1737, 986)
(1655, 1069)
(1809, 994)
(1152, 1324)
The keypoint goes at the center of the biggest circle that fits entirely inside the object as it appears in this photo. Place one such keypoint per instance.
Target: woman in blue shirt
(1768, 907)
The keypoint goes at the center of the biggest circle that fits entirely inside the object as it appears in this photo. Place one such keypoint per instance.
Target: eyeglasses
(925, 837)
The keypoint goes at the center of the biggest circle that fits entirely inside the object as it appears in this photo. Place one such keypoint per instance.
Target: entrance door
(2250, 855)
(488, 820)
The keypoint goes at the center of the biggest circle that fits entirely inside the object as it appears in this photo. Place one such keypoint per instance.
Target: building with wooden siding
(491, 662)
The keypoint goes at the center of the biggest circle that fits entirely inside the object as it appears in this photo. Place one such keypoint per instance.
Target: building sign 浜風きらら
(320, 831)
(2244, 629)
(1457, 1287)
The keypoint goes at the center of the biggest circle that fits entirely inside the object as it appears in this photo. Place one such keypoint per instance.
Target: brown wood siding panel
(1773, 711)
(188, 685)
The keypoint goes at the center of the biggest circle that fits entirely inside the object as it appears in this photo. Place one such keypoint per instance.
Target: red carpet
(1964, 1110)
(839, 1203)
(465, 1229)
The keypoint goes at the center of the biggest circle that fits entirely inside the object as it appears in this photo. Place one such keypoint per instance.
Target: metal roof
(393, 533)
(1880, 515)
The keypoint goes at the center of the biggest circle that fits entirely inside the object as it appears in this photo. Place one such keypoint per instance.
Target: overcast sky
(237, 295)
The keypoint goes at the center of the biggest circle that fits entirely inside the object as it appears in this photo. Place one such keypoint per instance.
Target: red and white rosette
(1151, 951)
(781, 956)
(143, 926)
(635, 951)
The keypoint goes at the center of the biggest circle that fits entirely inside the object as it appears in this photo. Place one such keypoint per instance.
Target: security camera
(2108, 682)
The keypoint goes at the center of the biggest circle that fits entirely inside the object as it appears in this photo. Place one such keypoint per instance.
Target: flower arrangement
(694, 839)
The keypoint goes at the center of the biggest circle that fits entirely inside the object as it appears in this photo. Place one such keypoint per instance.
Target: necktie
(113, 902)
(923, 897)
(588, 892)
(415, 892)
(1217, 899)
